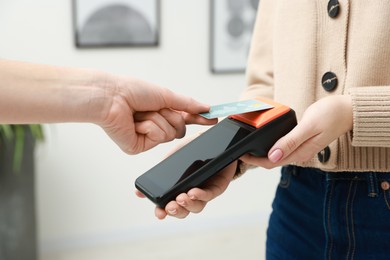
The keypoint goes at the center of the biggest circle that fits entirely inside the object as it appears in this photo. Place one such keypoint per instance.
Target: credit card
(234, 108)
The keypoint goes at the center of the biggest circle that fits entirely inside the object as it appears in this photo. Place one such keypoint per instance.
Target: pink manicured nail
(276, 155)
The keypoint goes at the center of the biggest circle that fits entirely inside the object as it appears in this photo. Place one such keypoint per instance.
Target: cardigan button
(324, 155)
(333, 8)
(329, 81)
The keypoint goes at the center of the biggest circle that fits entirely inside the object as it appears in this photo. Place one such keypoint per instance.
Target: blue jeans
(325, 215)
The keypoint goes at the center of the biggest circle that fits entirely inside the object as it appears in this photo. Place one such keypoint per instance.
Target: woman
(330, 62)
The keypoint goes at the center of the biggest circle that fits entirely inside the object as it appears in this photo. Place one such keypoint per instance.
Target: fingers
(257, 161)
(322, 123)
(175, 120)
(160, 213)
(183, 206)
(197, 119)
(285, 145)
(162, 126)
(300, 145)
(303, 133)
(159, 97)
(154, 128)
(190, 108)
(196, 199)
(192, 202)
(180, 208)
(139, 194)
(183, 103)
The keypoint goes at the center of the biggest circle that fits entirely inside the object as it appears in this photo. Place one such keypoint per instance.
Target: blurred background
(84, 184)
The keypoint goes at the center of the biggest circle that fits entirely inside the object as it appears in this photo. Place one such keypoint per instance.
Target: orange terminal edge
(261, 118)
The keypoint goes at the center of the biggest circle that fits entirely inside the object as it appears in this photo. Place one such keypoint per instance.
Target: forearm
(31, 93)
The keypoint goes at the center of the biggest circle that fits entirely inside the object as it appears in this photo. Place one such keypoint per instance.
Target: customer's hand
(142, 115)
(136, 114)
(323, 122)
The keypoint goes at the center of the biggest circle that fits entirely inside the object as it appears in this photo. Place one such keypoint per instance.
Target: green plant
(16, 134)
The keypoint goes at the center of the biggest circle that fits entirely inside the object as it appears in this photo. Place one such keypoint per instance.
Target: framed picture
(116, 23)
(232, 23)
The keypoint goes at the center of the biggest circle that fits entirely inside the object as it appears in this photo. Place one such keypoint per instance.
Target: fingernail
(182, 203)
(276, 155)
(172, 211)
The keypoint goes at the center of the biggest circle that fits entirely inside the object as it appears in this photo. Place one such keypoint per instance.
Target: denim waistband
(374, 180)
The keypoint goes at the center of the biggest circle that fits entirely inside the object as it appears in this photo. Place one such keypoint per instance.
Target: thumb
(287, 144)
(184, 103)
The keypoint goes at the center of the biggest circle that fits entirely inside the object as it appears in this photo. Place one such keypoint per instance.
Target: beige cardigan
(296, 42)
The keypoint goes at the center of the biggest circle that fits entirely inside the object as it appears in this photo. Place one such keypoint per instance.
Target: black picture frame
(231, 25)
(113, 23)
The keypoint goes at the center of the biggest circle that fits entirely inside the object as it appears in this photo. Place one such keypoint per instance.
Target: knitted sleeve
(371, 116)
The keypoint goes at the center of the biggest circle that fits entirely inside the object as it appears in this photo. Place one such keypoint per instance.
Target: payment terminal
(195, 163)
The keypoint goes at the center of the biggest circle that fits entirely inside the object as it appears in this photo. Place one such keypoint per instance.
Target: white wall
(84, 182)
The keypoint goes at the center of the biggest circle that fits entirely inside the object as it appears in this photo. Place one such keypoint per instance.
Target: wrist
(347, 109)
(82, 95)
(100, 91)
